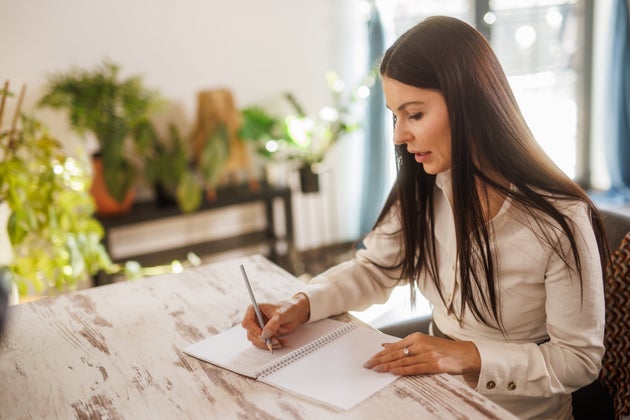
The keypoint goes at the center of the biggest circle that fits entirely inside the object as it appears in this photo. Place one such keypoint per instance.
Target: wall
(257, 49)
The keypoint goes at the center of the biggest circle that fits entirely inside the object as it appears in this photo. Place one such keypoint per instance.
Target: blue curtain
(374, 180)
(618, 150)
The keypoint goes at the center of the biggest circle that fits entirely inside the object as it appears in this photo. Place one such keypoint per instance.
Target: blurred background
(564, 59)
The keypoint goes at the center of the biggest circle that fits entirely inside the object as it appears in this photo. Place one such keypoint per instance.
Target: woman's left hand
(428, 354)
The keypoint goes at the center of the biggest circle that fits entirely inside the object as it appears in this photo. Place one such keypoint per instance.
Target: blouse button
(490, 385)
(511, 386)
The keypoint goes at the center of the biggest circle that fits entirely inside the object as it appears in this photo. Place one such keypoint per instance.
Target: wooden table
(115, 352)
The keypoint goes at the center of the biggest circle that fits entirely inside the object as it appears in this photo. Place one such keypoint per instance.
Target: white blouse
(553, 342)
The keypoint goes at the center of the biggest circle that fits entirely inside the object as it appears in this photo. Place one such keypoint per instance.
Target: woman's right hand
(282, 318)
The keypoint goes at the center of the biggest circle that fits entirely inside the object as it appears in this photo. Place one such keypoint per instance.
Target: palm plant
(100, 102)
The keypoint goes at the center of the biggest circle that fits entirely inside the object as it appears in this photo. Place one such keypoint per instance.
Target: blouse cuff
(503, 369)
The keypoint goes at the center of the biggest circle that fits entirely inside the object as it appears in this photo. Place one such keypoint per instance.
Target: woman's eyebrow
(406, 104)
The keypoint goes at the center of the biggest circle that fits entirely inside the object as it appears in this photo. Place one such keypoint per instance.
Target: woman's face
(421, 123)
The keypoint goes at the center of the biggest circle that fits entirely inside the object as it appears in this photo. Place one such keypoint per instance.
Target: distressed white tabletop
(115, 352)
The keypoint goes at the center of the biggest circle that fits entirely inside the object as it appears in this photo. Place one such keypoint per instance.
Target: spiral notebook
(322, 361)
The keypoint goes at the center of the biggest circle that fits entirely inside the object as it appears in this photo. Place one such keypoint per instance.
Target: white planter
(6, 251)
(14, 296)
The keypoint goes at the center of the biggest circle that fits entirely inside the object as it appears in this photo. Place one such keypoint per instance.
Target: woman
(502, 243)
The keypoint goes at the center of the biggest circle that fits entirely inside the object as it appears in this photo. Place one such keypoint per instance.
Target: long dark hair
(489, 134)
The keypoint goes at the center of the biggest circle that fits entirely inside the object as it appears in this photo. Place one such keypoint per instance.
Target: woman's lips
(422, 156)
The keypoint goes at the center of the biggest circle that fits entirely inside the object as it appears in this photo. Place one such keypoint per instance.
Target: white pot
(14, 296)
(6, 250)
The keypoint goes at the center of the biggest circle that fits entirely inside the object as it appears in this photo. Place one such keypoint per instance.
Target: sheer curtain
(376, 179)
(618, 147)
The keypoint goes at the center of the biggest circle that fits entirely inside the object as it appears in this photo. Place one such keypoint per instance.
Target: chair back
(616, 225)
(615, 374)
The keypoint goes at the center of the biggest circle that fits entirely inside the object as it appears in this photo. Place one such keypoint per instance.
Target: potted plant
(266, 136)
(214, 154)
(55, 240)
(56, 243)
(302, 138)
(100, 102)
(167, 167)
(262, 129)
(313, 136)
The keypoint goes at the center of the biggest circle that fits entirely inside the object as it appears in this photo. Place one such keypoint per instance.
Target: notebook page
(231, 350)
(334, 373)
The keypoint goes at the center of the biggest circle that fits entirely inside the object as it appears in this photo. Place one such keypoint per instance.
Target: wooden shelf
(151, 211)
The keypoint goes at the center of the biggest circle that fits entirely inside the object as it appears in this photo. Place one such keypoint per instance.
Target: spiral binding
(289, 358)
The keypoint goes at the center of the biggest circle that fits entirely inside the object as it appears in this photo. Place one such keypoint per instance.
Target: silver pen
(261, 321)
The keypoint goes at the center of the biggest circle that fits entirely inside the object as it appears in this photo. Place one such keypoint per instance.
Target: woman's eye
(394, 119)
(416, 116)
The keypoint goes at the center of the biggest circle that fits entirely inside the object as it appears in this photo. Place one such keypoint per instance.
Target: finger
(391, 353)
(280, 320)
(268, 310)
(392, 350)
(272, 327)
(405, 365)
(276, 343)
(249, 322)
(413, 369)
(256, 341)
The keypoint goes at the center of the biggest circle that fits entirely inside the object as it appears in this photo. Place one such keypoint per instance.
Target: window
(539, 44)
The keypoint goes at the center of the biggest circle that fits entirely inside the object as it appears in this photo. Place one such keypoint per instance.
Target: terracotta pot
(106, 205)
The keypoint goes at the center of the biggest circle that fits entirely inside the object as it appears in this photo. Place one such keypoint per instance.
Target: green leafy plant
(167, 166)
(263, 129)
(312, 136)
(302, 137)
(101, 102)
(213, 156)
(56, 241)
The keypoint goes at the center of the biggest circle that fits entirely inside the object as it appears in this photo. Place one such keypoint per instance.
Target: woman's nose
(401, 136)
